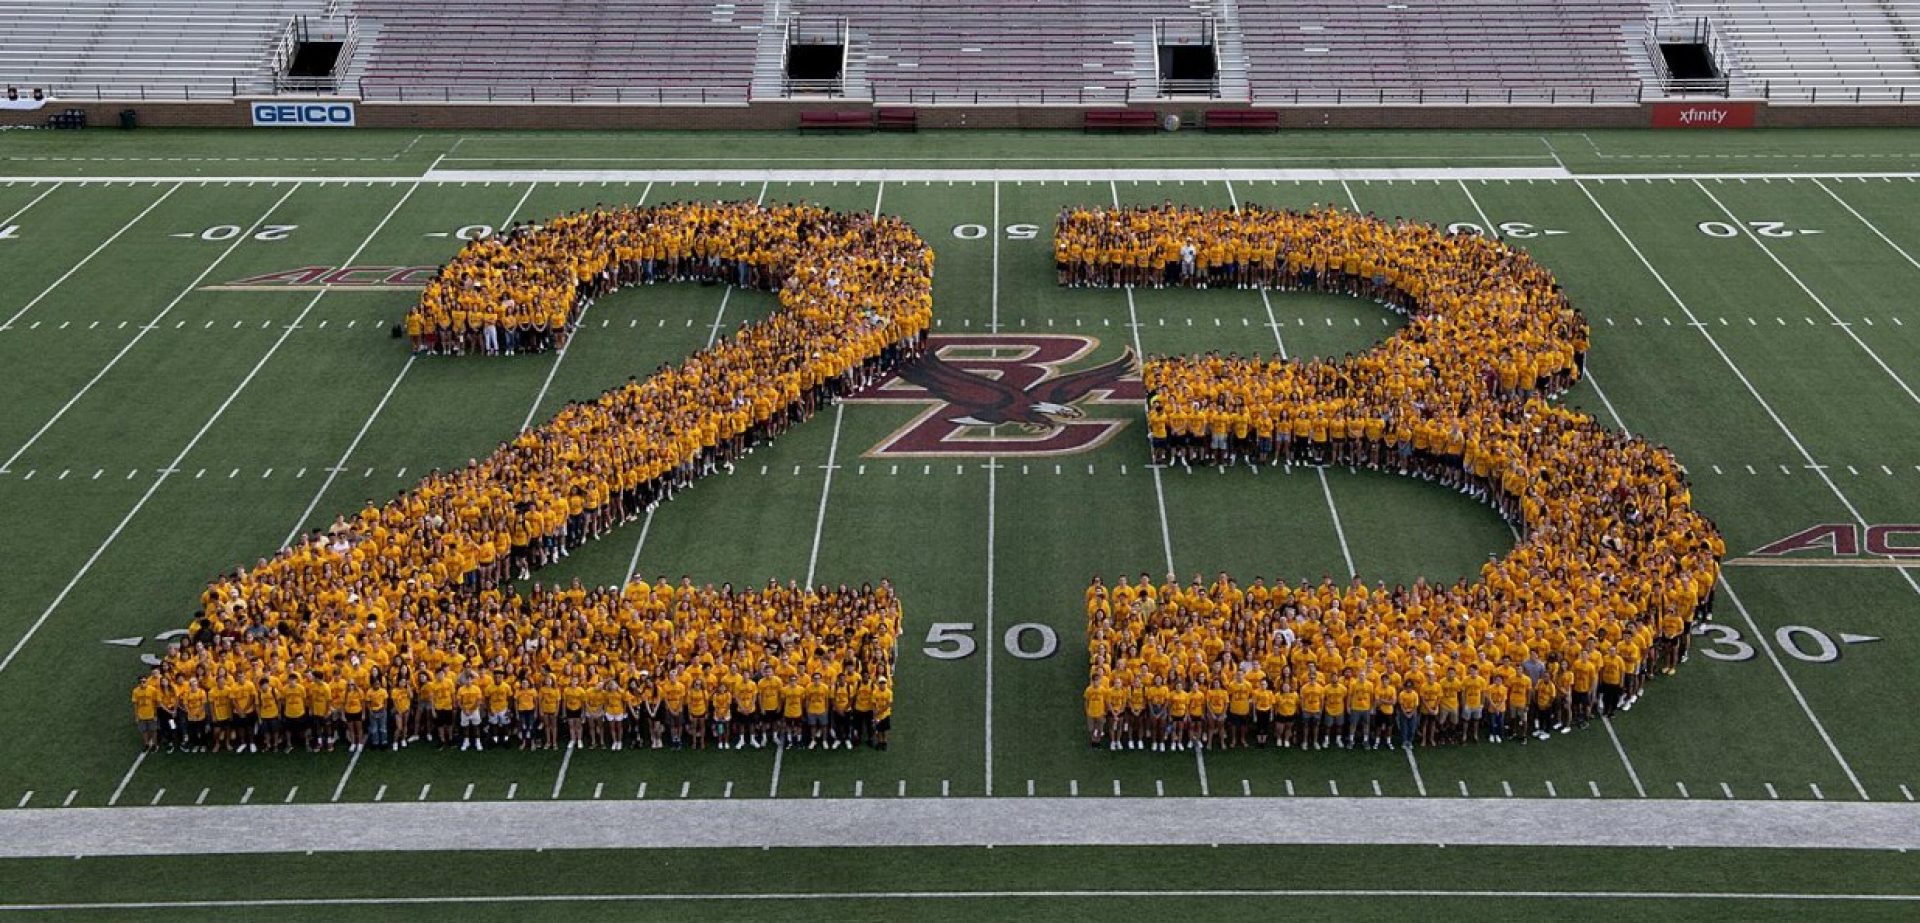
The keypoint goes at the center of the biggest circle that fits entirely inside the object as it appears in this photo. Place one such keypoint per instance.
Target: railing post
(1509, 96)
(1590, 94)
(1468, 98)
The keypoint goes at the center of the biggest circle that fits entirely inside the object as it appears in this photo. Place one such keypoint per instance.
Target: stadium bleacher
(560, 50)
(144, 49)
(908, 53)
(1813, 50)
(1442, 50)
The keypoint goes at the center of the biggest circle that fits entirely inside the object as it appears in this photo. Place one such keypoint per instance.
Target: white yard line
(1844, 327)
(121, 789)
(826, 489)
(140, 334)
(89, 257)
(1870, 225)
(340, 465)
(174, 465)
(993, 504)
(868, 897)
(899, 822)
(1626, 762)
(28, 207)
(1760, 638)
(560, 355)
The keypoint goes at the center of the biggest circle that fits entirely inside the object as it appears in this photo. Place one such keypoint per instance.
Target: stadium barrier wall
(782, 115)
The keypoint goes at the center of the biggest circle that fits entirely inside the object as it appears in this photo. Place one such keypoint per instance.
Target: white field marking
(121, 789)
(89, 257)
(993, 505)
(341, 786)
(1807, 456)
(291, 794)
(379, 794)
(29, 797)
(1726, 791)
(560, 355)
(1760, 639)
(1551, 793)
(137, 337)
(1844, 327)
(368, 424)
(161, 792)
(1870, 226)
(1593, 787)
(1070, 175)
(826, 488)
(191, 443)
(870, 896)
(1326, 489)
(24, 208)
(773, 788)
(72, 793)
(1632, 776)
(299, 525)
(561, 778)
(246, 797)
(642, 793)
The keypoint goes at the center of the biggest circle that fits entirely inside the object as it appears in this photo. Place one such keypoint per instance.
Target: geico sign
(337, 115)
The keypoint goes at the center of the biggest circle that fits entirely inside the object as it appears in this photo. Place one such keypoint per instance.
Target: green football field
(183, 390)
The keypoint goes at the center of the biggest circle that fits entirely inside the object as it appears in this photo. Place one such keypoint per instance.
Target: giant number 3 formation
(1612, 566)
(405, 609)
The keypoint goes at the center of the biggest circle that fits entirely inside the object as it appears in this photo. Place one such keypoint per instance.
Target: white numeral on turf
(475, 232)
(1013, 231)
(1726, 231)
(1014, 640)
(1824, 650)
(1049, 642)
(271, 232)
(949, 632)
(1727, 645)
(1517, 229)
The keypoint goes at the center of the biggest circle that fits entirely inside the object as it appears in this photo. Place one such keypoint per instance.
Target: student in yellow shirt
(146, 712)
(882, 712)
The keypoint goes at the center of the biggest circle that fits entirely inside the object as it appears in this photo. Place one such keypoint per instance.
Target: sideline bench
(1243, 120)
(835, 120)
(899, 119)
(1122, 120)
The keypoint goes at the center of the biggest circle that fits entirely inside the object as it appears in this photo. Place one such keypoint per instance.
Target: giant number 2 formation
(400, 621)
(1612, 566)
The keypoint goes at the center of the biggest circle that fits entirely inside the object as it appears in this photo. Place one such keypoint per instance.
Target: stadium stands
(144, 49)
(1443, 50)
(1818, 50)
(559, 50)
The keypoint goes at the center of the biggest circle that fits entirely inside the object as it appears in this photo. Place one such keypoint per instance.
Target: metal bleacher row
(630, 50)
(133, 49)
(1806, 50)
(962, 51)
(1433, 50)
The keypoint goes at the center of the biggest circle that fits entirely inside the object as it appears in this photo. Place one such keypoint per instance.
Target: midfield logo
(1006, 395)
(1841, 545)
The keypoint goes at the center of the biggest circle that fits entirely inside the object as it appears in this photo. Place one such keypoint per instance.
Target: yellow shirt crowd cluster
(395, 586)
(1612, 553)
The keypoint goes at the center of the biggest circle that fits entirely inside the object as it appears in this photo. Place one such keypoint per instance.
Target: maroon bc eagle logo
(1006, 395)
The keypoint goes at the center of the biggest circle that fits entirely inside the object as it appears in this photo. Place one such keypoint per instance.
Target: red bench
(1122, 120)
(1243, 120)
(899, 119)
(856, 119)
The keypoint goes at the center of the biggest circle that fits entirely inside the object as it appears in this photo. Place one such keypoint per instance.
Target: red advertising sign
(1703, 115)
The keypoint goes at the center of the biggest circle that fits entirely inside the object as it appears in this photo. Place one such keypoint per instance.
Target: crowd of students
(1612, 568)
(396, 624)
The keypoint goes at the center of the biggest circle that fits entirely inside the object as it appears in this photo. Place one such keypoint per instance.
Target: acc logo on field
(1842, 544)
(281, 115)
(1005, 395)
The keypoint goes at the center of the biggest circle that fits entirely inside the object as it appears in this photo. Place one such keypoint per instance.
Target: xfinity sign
(325, 115)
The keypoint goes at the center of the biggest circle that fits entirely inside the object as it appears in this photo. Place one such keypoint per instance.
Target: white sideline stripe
(1760, 638)
(89, 257)
(810, 896)
(892, 822)
(1844, 327)
(144, 329)
(897, 175)
(993, 502)
(191, 443)
(1409, 174)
